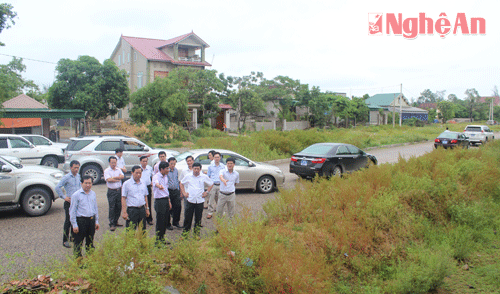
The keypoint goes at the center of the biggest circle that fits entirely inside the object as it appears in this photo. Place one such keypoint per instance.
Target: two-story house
(146, 59)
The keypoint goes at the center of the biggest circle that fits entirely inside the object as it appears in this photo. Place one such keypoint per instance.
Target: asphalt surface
(27, 242)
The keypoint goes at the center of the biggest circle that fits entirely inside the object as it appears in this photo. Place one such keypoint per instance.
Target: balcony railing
(194, 58)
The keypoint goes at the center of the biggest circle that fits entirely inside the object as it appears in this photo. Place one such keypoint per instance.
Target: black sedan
(451, 139)
(329, 159)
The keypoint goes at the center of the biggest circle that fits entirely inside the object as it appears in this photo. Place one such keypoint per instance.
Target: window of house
(139, 80)
(123, 54)
(135, 56)
(119, 60)
(183, 52)
(128, 57)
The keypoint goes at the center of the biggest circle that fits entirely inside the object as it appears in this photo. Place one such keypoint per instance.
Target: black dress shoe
(66, 244)
(119, 225)
(170, 228)
(150, 223)
(179, 226)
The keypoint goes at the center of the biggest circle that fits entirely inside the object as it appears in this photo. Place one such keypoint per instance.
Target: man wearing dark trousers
(113, 177)
(134, 200)
(162, 202)
(147, 173)
(195, 195)
(71, 183)
(84, 215)
(174, 192)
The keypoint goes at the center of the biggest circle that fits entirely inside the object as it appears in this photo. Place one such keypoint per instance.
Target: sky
(321, 43)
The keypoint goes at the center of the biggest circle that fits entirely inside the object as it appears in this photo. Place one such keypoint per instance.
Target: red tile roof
(151, 48)
(496, 100)
(23, 101)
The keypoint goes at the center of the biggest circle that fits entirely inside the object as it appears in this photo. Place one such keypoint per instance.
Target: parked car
(329, 159)
(14, 160)
(39, 140)
(478, 134)
(31, 187)
(451, 139)
(17, 146)
(259, 176)
(93, 153)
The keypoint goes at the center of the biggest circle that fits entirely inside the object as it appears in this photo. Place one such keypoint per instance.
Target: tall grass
(398, 228)
(271, 144)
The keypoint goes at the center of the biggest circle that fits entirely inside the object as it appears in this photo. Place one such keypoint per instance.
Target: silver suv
(17, 146)
(31, 187)
(93, 152)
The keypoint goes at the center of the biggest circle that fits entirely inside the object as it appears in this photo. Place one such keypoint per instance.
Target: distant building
(496, 100)
(26, 125)
(390, 102)
(144, 59)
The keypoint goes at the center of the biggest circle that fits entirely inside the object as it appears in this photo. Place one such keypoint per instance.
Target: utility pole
(400, 107)
(393, 111)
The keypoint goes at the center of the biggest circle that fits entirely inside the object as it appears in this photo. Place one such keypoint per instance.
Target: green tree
(162, 101)
(362, 112)
(6, 17)
(86, 84)
(11, 81)
(431, 115)
(320, 107)
(247, 102)
(427, 96)
(282, 91)
(471, 99)
(202, 86)
(446, 110)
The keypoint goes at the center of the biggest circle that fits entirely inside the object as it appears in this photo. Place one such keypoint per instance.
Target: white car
(17, 146)
(31, 187)
(93, 152)
(39, 140)
(259, 176)
(478, 134)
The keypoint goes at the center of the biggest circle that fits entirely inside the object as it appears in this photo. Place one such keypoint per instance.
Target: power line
(29, 59)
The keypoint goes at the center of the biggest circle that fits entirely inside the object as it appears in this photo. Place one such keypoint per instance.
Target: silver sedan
(262, 177)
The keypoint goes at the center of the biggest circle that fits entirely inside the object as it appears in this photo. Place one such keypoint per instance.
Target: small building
(221, 122)
(381, 105)
(24, 125)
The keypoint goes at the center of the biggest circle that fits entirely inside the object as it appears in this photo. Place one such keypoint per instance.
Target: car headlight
(57, 175)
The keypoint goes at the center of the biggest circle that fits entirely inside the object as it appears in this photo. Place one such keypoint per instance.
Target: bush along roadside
(423, 224)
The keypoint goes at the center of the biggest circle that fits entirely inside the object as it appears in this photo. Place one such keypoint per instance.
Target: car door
(7, 183)
(22, 148)
(247, 173)
(132, 152)
(359, 158)
(345, 158)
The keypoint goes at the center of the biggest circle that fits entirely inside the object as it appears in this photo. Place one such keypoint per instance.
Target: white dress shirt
(196, 186)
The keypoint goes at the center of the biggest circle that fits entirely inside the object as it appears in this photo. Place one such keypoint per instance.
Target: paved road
(26, 242)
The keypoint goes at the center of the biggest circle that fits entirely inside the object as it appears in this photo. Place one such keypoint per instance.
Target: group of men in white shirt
(132, 198)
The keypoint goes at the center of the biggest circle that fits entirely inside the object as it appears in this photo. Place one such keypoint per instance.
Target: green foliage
(159, 134)
(86, 84)
(446, 110)
(206, 132)
(11, 80)
(121, 263)
(6, 17)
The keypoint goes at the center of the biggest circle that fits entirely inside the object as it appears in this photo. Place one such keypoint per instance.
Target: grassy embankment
(270, 145)
(403, 228)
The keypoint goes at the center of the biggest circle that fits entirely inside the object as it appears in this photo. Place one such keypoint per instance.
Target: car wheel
(94, 171)
(265, 184)
(36, 202)
(337, 171)
(50, 161)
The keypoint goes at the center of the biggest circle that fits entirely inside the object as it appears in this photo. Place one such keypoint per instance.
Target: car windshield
(473, 129)
(5, 160)
(448, 135)
(77, 145)
(317, 149)
(183, 156)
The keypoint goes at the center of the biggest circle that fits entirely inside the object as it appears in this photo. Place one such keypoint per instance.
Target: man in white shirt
(228, 177)
(162, 202)
(120, 162)
(134, 200)
(113, 177)
(195, 194)
(147, 175)
(213, 173)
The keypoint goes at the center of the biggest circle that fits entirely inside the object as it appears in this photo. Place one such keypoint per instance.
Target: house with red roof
(24, 125)
(145, 59)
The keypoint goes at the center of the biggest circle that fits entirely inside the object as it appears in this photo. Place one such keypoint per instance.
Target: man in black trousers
(135, 208)
(174, 192)
(162, 202)
(84, 215)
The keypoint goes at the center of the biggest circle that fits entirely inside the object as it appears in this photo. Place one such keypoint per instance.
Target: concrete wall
(295, 125)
